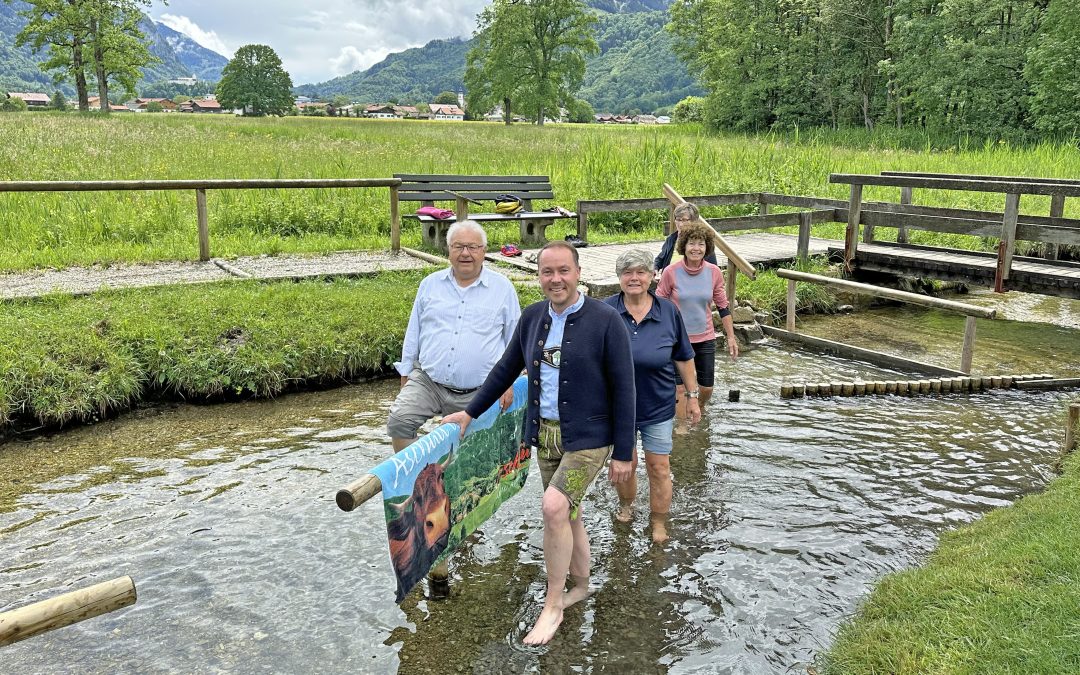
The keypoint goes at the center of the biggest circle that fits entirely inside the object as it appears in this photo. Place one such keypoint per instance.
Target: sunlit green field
(584, 162)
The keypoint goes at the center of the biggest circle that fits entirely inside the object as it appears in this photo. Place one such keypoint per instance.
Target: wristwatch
(693, 394)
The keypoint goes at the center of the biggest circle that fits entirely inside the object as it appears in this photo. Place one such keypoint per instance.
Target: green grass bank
(1001, 595)
(584, 162)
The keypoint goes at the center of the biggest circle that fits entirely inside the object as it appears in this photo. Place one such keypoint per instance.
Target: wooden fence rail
(970, 311)
(200, 187)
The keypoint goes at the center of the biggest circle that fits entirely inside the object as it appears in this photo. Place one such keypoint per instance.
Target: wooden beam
(851, 236)
(66, 609)
(395, 220)
(969, 345)
(968, 185)
(889, 294)
(905, 198)
(1071, 421)
(357, 492)
(220, 184)
(1050, 384)
(970, 176)
(204, 225)
(615, 205)
(858, 353)
(1008, 231)
(1057, 210)
(803, 245)
(721, 243)
(729, 283)
(734, 223)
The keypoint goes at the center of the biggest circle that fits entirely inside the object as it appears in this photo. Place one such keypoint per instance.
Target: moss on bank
(1001, 595)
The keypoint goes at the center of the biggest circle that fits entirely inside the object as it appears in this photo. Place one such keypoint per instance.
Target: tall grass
(584, 162)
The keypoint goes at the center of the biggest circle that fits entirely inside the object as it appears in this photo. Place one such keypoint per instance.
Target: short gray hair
(688, 209)
(635, 258)
(466, 225)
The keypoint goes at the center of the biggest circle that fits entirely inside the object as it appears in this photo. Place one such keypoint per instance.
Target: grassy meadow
(584, 162)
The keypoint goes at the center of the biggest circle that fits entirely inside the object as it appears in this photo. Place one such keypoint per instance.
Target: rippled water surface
(785, 513)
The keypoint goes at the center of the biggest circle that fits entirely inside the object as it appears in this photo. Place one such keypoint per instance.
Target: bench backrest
(431, 188)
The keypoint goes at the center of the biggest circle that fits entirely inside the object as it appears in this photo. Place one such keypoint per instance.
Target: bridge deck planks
(1029, 275)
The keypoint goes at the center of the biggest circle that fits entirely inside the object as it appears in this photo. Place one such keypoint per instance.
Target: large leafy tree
(62, 27)
(118, 47)
(255, 81)
(529, 53)
(1053, 72)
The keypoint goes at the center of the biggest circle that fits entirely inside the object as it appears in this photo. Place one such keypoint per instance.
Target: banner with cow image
(440, 489)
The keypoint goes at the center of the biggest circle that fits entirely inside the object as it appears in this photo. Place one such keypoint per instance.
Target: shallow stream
(785, 513)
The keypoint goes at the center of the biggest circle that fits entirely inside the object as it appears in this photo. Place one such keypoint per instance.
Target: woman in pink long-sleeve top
(695, 285)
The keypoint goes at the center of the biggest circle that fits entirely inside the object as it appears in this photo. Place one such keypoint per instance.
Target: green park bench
(465, 190)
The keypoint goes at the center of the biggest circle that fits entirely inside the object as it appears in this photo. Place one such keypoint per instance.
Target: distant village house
(447, 112)
(32, 100)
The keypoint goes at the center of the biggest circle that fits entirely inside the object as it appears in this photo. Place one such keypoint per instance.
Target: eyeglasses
(684, 220)
(472, 248)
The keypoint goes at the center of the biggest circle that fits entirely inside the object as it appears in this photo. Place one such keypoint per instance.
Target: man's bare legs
(402, 443)
(566, 548)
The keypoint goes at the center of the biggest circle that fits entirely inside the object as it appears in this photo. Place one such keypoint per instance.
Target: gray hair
(466, 225)
(688, 209)
(633, 259)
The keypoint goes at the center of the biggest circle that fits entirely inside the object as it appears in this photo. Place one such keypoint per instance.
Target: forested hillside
(636, 69)
(992, 67)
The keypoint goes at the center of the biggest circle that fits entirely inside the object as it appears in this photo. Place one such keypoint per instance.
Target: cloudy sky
(319, 39)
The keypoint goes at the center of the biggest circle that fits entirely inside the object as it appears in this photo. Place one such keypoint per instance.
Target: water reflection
(784, 513)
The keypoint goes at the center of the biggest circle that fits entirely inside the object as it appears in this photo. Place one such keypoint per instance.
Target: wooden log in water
(995, 382)
(66, 609)
(859, 388)
(836, 388)
(811, 390)
(987, 382)
(786, 391)
(824, 389)
(1045, 385)
(925, 386)
(890, 387)
(935, 385)
(798, 391)
(1006, 381)
(880, 387)
(847, 388)
(903, 387)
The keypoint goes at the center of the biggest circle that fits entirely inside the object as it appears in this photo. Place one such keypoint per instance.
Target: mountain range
(179, 56)
(636, 69)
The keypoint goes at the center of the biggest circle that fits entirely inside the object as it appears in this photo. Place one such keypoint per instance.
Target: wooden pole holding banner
(357, 492)
(66, 609)
(721, 243)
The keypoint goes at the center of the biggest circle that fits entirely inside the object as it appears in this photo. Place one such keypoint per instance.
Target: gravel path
(83, 280)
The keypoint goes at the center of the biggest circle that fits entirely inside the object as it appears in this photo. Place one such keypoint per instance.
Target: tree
(581, 111)
(12, 104)
(255, 81)
(118, 46)
(60, 25)
(154, 107)
(339, 102)
(529, 51)
(446, 98)
(58, 102)
(1052, 71)
(690, 109)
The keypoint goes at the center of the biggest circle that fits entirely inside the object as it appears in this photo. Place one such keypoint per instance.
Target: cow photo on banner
(440, 489)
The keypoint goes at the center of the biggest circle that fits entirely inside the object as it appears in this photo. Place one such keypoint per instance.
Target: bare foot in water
(579, 592)
(625, 513)
(546, 626)
(659, 528)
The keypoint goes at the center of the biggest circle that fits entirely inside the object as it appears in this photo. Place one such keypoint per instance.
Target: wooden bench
(463, 190)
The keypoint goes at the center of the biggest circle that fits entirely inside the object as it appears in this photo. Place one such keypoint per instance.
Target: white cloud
(208, 39)
(350, 59)
(321, 39)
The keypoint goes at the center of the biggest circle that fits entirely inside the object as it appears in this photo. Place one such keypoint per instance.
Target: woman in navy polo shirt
(660, 344)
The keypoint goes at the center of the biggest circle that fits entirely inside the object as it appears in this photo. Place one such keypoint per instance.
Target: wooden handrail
(890, 293)
(972, 176)
(207, 184)
(66, 609)
(969, 185)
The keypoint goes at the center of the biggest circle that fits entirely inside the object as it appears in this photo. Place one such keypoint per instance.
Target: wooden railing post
(395, 221)
(583, 223)
(851, 237)
(1008, 236)
(763, 207)
(901, 231)
(204, 225)
(669, 226)
(969, 345)
(790, 324)
(1057, 210)
(803, 249)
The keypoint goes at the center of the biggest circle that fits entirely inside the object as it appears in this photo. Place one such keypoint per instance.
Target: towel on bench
(435, 212)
